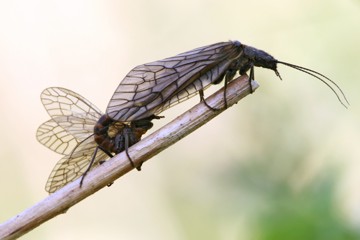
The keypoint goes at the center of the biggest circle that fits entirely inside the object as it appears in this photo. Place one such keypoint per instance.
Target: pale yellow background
(89, 46)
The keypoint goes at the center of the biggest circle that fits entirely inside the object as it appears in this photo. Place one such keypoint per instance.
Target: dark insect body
(151, 88)
(115, 136)
(77, 130)
(146, 91)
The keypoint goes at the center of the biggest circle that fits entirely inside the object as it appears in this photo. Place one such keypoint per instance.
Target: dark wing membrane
(192, 89)
(155, 86)
(73, 165)
(60, 102)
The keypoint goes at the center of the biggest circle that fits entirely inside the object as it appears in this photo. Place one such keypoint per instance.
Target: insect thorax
(115, 128)
(116, 136)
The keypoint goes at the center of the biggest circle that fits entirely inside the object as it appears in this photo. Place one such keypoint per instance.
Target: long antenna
(323, 79)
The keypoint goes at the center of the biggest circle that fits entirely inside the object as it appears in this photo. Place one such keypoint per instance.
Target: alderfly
(146, 91)
(151, 88)
(77, 129)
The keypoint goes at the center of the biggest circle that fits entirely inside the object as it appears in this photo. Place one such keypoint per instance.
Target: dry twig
(60, 201)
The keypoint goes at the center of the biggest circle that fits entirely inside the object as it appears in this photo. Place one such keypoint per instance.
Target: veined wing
(52, 135)
(73, 120)
(151, 88)
(62, 134)
(73, 165)
(192, 89)
(69, 132)
(60, 102)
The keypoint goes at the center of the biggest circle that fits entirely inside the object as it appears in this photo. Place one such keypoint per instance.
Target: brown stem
(119, 165)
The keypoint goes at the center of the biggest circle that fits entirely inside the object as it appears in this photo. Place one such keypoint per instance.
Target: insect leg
(107, 153)
(88, 169)
(251, 77)
(126, 136)
(101, 162)
(202, 99)
(227, 79)
(92, 162)
(230, 74)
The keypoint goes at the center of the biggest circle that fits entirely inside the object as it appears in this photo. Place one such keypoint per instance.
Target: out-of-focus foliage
(260, 203)
(310, 213)
(290, 212)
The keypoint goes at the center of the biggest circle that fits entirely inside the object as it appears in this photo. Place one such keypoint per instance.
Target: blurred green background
(281, 164)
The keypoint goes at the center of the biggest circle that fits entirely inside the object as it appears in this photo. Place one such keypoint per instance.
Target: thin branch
(60, 201)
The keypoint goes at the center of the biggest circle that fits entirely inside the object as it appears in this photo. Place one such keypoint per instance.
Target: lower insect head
(126, 138)
(144, 124)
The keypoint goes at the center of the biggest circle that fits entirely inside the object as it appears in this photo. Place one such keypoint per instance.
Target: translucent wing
(56, 138)
(73, 165)
(153, 87)
(73, 120)
(62, 102)
(69, 132)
